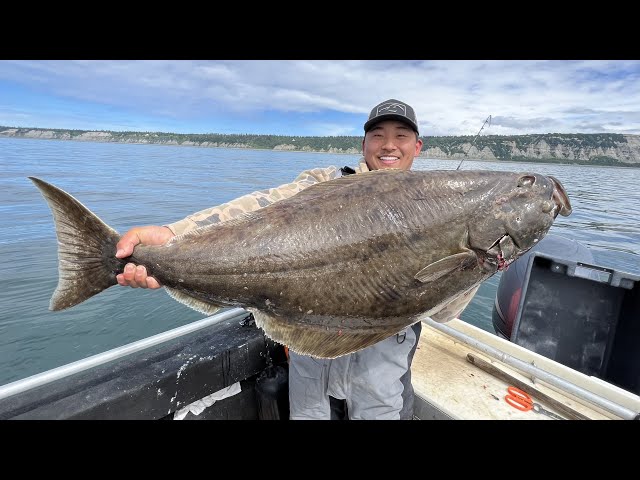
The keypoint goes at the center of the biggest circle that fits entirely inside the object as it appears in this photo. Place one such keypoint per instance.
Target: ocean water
(128, 185)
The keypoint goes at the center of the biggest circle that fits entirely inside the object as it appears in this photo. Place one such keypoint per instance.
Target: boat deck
(161, 375)
(448, 386)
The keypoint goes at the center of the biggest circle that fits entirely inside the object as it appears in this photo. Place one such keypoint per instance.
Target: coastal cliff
(593, 149)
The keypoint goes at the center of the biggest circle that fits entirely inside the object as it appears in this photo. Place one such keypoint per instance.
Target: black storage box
(586, 317)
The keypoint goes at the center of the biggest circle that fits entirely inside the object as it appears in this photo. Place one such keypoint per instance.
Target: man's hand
(136, 275)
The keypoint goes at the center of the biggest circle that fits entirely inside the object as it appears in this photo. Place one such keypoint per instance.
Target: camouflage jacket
(256, 200)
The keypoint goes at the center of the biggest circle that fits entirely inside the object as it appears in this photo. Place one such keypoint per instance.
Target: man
(376, 381)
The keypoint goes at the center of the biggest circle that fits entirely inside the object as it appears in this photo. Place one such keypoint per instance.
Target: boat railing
(63, 371)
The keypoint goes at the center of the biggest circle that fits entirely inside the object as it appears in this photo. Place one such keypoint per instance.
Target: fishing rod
(488, 120)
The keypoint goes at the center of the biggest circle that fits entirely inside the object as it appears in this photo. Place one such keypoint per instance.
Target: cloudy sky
(321, 97)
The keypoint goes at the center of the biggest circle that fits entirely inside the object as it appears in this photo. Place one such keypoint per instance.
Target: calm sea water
(128, 185)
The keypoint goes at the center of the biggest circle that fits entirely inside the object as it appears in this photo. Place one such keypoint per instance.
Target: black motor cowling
(507, 301)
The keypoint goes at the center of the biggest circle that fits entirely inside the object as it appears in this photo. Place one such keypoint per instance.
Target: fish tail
(86, 249)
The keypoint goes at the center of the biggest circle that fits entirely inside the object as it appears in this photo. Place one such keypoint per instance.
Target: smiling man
(391, 137)
(373, 383)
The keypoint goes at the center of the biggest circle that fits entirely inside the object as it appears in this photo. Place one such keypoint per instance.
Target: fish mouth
(500, 254)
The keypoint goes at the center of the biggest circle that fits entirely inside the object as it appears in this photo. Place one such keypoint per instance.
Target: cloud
(322, 97)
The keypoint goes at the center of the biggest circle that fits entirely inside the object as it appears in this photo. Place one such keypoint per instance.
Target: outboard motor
(505, 308)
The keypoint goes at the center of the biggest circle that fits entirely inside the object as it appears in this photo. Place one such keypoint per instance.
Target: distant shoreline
(421, 157)
(160, 144)
(599, 150)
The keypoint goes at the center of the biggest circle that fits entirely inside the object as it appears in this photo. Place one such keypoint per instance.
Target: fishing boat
(568, 351)
(564, 346)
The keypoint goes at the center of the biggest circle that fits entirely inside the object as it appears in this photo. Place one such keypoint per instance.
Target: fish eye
(526, 181)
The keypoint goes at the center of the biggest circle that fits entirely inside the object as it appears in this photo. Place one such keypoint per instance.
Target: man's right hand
(136, 275)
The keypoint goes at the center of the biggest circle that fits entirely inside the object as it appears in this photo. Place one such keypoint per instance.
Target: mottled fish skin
(339, 266)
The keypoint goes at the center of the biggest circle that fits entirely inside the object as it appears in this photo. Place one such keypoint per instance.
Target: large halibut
(337, 267)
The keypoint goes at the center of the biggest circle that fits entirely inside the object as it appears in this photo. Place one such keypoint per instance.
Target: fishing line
(488, 120)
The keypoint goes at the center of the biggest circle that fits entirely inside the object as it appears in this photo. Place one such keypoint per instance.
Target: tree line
(502, 146)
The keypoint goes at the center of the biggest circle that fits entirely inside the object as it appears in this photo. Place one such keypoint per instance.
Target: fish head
(522, 213)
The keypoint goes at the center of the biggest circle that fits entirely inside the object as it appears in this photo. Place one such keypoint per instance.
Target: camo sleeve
(253, 201)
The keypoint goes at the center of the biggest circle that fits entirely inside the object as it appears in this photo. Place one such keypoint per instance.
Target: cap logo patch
(392, 107)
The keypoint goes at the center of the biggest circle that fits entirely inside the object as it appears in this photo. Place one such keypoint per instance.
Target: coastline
(422, 155)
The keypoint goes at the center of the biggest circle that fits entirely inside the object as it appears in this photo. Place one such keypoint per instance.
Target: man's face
(390, 144)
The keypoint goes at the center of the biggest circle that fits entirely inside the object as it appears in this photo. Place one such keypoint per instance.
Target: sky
(321, 97)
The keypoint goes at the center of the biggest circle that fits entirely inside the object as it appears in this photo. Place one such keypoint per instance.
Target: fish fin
(302, 197)
(454, 308)
(87, 263)
(348, 181)
(560, 197)
(197, 304)
(322, 337)
(446, 265)
(237, 220)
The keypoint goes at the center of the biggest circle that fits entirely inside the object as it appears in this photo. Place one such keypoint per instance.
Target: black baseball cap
(392, 109)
